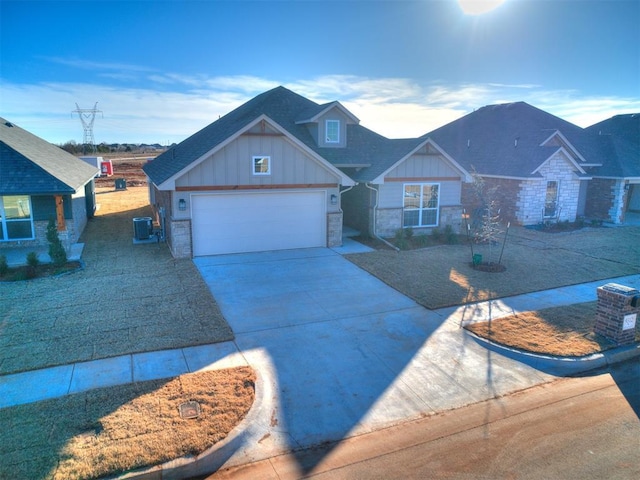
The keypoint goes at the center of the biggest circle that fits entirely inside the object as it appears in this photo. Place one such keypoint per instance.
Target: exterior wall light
(334, 199)
(182, 204)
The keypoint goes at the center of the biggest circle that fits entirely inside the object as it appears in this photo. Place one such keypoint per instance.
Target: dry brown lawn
(127, 299)
(442, 276)
(563, 331)
(114, 430)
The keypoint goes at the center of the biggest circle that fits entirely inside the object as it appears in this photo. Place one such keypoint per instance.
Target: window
(262, 165)
(332, 128)
(551, 199)
(16, 221)
(421, 202)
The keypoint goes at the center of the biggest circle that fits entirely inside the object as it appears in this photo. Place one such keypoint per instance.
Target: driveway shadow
(344, 353)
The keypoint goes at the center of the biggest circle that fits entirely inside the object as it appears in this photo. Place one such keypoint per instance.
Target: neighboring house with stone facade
(282, 171)
(541, 165)
(39, 182)
(614, 190)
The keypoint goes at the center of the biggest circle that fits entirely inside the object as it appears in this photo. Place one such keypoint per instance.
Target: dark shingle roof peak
(31, 165)
(621, 136)
(288, 109)
(510, 139)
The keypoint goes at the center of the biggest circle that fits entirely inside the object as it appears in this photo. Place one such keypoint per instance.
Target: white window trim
(253, 165)
(546, 189)
(420, 210)
(4, 221)
(326, 131)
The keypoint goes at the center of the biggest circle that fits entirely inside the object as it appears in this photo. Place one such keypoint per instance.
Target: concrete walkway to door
(339, 353)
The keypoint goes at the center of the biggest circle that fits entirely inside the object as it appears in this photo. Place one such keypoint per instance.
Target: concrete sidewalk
(37, 385)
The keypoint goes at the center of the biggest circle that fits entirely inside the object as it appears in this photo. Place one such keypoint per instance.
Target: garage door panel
(232, 223)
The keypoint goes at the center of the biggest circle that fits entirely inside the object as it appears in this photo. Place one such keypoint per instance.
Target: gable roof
(365, 156)
(30, 165)
(314, 113)
(279, 104)
(621, 136)
(514, 140)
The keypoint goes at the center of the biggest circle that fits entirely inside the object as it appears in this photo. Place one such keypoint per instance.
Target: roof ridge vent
(8, 124)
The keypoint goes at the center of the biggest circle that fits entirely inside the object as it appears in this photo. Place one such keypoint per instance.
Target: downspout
(375, 214)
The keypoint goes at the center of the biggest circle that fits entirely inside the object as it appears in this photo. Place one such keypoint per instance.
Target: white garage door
(253, 222)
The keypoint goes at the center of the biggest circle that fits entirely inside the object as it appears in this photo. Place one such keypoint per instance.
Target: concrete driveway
(339, 353)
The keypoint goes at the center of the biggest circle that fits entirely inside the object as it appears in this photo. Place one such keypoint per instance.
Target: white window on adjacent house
(261, 165)
(551, 200)
(16, 220)
(332, 128)
(421, 205)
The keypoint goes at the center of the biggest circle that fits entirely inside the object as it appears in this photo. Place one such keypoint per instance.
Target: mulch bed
(17, 274)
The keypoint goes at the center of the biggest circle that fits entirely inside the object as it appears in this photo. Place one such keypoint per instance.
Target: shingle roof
(505, 140)
(30, 165)
(621, 135)
(366, 150)
(279, 104)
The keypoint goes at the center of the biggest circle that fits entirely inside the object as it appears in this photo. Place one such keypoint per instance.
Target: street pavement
(337, 353)
(584, 428)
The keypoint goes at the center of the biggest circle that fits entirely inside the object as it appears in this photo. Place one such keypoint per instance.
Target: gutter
(375, 214)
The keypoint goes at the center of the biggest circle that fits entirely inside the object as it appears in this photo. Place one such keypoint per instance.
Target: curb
(561, 366)
(216, 456)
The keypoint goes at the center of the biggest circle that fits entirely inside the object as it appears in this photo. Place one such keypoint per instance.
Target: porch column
(60, 213)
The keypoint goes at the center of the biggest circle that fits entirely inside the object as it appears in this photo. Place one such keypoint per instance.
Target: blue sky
(162, 70)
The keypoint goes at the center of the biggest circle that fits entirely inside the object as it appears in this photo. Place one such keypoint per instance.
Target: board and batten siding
(424, 166)
(232, 165)
(421, 168)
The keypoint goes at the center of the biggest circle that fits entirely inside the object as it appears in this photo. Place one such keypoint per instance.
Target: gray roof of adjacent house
(30, 165)
(507, 140)
(366, 155)
(621, 135)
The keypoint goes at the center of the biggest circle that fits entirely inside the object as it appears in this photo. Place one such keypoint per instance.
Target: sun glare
(478, 7)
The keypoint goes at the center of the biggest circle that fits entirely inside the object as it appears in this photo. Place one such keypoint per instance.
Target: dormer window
(332, 128)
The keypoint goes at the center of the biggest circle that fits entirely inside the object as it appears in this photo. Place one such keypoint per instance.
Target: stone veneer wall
(334, 229)
(179, 238)
(616, 212)
(451, 215)
(388, 221)
(533, 193)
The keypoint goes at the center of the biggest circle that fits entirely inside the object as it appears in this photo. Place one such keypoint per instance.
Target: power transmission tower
(87, 117)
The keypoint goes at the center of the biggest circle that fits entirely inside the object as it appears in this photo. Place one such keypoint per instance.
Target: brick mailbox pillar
(617, 313)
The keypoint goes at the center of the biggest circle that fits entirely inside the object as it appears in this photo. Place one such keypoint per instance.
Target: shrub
(421, 240)
(408, 233)
(401, 239)
(56, 249)
(32, 259)
(4, 266)
(450, 236)
(32, 264)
